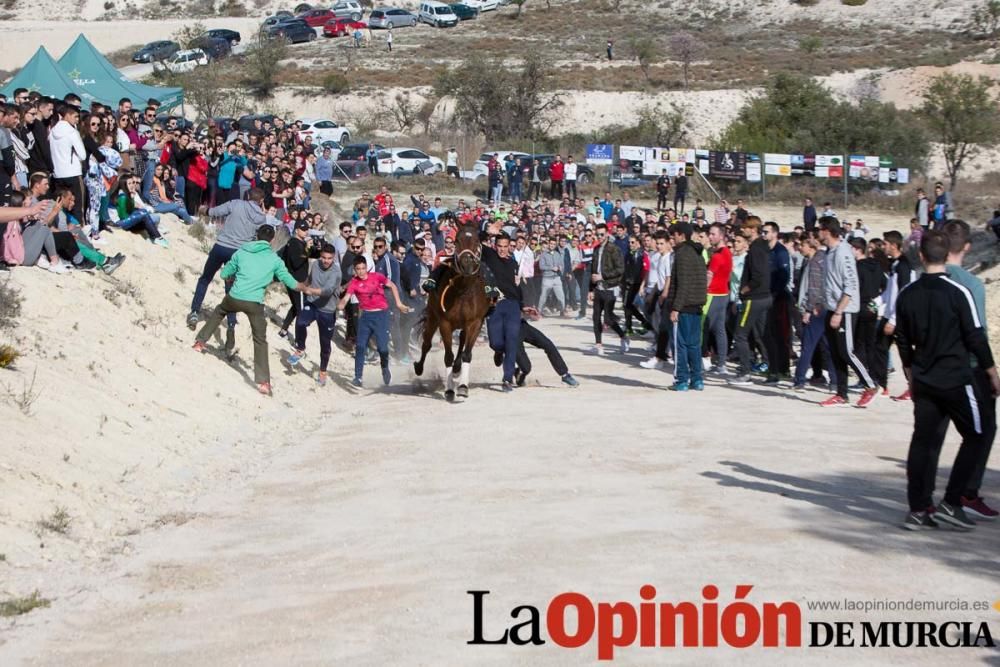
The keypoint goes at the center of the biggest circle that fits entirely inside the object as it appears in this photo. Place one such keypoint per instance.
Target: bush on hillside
(853, 3)
(336, 83)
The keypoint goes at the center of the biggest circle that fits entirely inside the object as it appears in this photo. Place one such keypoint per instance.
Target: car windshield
(376, 15)
(353, 152)
(442, 10)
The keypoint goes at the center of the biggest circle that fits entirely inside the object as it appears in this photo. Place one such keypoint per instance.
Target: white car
(483, 5)
(406, 160)
(479, 166)
(183, 61)
(324, 129)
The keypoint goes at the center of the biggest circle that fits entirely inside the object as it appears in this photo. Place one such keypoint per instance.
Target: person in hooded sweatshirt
(325, 276)
(254, 266)
(688, 294)
(68, 152)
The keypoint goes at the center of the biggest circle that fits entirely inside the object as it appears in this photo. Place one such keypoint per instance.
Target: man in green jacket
(255, 266)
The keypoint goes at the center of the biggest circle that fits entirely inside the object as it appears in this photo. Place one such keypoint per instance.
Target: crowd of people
(716, 289)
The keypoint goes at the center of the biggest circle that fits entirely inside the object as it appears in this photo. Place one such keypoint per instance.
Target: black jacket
(296, 259)
(688, 280)
(409, 278)
(40, 156)
(937, 327)
(504, 273)
(756, 272)
(633, 268)
(612, 266)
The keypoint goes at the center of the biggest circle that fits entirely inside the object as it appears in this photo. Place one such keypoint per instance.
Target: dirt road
(358, 545)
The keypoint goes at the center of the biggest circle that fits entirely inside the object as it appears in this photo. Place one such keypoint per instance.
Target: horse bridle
(476, 255)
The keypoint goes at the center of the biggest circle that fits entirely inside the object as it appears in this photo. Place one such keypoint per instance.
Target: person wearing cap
(295, 255)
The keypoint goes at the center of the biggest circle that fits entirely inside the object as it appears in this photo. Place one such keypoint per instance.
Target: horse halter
(476, 256)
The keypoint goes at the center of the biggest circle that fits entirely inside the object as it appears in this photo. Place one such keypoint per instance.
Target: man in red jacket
(557, 171)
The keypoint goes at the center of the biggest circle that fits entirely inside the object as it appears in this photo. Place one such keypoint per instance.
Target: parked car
(230, 36)
(484, 5)
(153, 51)
(323, 129)
(335, 149)
(348, 9)
(437, 14)
(293, 31)
(182, 61)
(302, 7)
(342, 27)
(246, 122)
(356, 152)
(408, 160)
(316, 18)
(272, 22)
(391, 17)
(175, 122)
(479, 166)
(463, 11)
(224, 123)
(214, 47)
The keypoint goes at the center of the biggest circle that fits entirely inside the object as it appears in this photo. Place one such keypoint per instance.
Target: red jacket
(198, 171)
(556, 171)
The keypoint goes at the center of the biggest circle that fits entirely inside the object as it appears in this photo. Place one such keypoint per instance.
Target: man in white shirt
(569, 177)
(451, 162)
(68, 153)
(627, 205)
(664, 326)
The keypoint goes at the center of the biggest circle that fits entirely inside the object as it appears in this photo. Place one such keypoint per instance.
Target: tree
(261, 64)
(520, 6)
(962, 116)
(214, 91)
(499, 101)
(189, 34)
(402, 110)
(795, 114)
(985, 19)
(685, 47)
(654, 126)
(809, 46)
(644, 51)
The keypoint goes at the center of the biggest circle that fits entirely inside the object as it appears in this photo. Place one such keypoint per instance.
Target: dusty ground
(210, 526)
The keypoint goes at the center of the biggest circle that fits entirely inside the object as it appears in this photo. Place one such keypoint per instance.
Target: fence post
(846, 170)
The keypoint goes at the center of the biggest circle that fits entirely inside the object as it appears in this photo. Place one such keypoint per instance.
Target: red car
(342, 27)
(315, 18)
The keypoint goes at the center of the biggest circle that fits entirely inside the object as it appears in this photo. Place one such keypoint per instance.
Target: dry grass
(58, 522)
(19, 606)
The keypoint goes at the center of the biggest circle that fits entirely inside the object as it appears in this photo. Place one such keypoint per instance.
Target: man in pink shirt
(369, 288)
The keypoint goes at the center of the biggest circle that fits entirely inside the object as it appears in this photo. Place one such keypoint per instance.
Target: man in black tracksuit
(633, 281)
(755, 295)
(296, 256)
(900, 275)
(937, 327)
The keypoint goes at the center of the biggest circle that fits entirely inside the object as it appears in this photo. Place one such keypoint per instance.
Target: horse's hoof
(418, 368)
(449, 395)
(463, 391)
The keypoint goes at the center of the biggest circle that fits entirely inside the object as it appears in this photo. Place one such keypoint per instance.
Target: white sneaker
(43, 262)
(723, 371)
(58, 268)
(706, 363)
(599, 350)
(653, 364)
(625, 345)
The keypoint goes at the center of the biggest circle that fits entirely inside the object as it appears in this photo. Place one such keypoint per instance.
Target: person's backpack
(12, 245)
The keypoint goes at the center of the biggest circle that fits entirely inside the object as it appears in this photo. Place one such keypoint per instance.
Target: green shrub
(336, 83)
(853, 3)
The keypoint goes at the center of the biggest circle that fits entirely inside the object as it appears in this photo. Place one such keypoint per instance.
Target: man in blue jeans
(688, 293)
(811, 306)
(369, 288)
(504, 324)
(242, 219)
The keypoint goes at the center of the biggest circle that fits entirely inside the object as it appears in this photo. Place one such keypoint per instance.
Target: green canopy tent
(92, 72)
(42, 73)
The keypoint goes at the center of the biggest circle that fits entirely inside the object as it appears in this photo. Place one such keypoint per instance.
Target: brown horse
(458, 304)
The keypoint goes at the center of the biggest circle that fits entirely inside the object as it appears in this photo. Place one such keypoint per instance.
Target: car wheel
(413, 23)
(582, 179)
(355, 17)
(345, 138)
(312, 36)
(233, 43)
(388, 26)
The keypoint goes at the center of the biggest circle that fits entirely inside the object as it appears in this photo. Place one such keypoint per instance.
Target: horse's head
(468, 249)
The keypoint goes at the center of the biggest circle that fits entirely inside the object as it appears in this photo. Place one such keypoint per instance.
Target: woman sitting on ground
(161, 201)
(133, 213)
(37, 237)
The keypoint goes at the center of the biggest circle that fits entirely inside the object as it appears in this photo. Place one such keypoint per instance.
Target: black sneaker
(192, 321)
(386, 376)
(498, 358)
(570, 380)
(919, 521)
(520, 377)
(772, 380)
(85, 265)
(112, 264)
(507, 387)
(954, 515)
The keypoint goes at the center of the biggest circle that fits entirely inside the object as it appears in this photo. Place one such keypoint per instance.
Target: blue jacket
(781, 270)
(409, 278)
(324, 169)
(231, 166)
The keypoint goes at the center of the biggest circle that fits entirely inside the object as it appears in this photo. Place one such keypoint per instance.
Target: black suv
(230, 36)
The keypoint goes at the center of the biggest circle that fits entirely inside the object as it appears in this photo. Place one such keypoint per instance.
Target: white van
(437, 14)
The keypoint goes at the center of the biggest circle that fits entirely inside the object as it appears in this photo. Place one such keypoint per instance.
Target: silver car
(347, 9)
(391, 17)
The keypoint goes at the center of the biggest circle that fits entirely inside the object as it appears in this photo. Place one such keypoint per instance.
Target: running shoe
(625, 345)
(386, 375)
(799, 386)
(919, 521)
(955, 516)
(835, 401)
(294, 359)
(653, 364)
(772, 380)
(905, 396)
(321, 379)
(570, 380)
(112, 264)
(978, 509)
(59, 267)
(867, 396)
(198, 346)
(722, 370)
(885, 391)
(520, 377)
(698, 385)
(507, 387)
(740, 381)
(599, 350)
(760, 368)
(678, 386)
(282, 333)
(192, 321)
(356, 382)
(264, 388)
